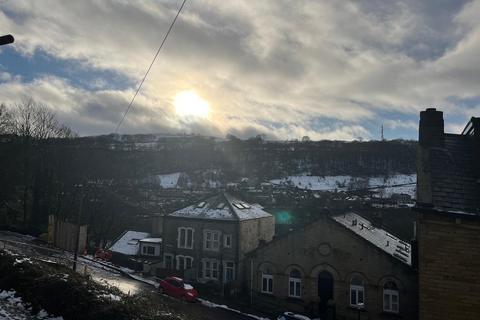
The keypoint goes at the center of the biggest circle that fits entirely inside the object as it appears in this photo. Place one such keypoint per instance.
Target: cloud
(268, 67)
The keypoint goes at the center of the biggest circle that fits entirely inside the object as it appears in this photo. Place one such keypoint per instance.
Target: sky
(285, 69)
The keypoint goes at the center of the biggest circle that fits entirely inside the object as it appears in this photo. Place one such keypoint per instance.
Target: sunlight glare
(190, 104)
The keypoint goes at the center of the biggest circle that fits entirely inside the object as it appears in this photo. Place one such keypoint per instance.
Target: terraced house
(208, 240)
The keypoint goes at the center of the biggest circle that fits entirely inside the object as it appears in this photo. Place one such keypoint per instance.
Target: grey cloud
(278, 61)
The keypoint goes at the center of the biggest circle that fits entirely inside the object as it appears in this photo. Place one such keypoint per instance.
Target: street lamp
(7, 39)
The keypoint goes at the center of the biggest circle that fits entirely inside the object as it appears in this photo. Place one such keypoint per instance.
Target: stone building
(448, 196)
(339, 267)
(208, 240)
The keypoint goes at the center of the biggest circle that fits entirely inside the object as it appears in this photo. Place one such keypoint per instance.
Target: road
(29, 246)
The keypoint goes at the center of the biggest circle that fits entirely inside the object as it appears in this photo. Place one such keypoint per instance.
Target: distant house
(339, 267)
(128, 243)
(151, 247)
(208, 239)
(175, 180)
(133, 248)
(448, 206)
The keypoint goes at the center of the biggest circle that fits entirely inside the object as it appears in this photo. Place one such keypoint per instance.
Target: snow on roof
(222, 207)
(378, 237)
(245, 211)
(152, 240)
(169, 181)
(128, 243)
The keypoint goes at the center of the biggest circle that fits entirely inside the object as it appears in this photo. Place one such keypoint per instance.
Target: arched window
(295, 284)
(391, 302)
(357, 292)
(267, 281)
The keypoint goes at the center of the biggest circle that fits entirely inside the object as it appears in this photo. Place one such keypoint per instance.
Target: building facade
(338, 267)
(448, 197)
(208, 240)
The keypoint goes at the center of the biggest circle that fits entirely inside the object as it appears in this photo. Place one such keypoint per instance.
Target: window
(168, 261)
(227, 241)
(267, 283)
(184, 262)
(228, 271)
(210, 269)
(148, 250)
(390, 297)
(211, 240)
(185, 238)
(357, 292)
(295, 284)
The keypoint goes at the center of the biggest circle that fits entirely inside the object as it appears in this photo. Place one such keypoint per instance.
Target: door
(325, 291)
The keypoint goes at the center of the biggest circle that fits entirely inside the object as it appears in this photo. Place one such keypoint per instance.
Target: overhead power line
(150, 67)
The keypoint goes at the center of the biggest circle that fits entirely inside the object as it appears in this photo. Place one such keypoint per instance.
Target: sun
(190, 104)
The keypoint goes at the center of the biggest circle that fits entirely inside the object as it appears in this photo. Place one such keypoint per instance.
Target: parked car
(292, 316)
(176, 287)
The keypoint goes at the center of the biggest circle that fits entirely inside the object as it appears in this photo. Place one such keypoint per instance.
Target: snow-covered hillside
(399, 183)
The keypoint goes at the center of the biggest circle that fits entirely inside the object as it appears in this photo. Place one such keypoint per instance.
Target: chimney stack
(431, 128)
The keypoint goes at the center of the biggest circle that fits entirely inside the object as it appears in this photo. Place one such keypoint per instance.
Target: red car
(176, 287)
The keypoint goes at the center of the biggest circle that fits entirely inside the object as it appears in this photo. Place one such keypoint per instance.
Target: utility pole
(77, 238)
(7, 39)
(383, 138)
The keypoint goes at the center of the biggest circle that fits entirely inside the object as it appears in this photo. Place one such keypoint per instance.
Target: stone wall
(327, 246)
(449, 251)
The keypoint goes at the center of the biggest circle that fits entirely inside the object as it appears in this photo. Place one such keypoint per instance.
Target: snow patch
(13, 308)
(399, 183)
(222, 306)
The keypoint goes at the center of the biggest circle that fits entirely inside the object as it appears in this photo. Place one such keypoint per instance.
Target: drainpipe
(251, 281)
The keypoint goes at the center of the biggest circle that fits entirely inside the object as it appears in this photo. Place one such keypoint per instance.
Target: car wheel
(184, 299)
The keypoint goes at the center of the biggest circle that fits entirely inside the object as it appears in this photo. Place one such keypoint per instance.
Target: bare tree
(35, 120)
(33, 123)
(5, 120)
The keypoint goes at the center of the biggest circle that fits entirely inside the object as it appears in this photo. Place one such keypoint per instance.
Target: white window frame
(227, 240)
(185, 264)
(185, 244)
(297, 287)
(173, 265)
(209, 241)
(357, 289)
(208, 269)
(145, 248)
(225, 267)
(269, 283)
(388, 295)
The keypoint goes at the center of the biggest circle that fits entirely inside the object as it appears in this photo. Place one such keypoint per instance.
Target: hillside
(137, 156)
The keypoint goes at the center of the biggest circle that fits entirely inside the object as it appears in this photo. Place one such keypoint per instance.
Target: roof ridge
(226, 196)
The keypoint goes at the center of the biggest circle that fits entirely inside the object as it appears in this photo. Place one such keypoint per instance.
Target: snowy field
(345, 183)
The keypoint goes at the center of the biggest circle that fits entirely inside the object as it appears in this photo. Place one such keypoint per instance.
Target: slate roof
(452, 174)
(380, 238)
(222, 207)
